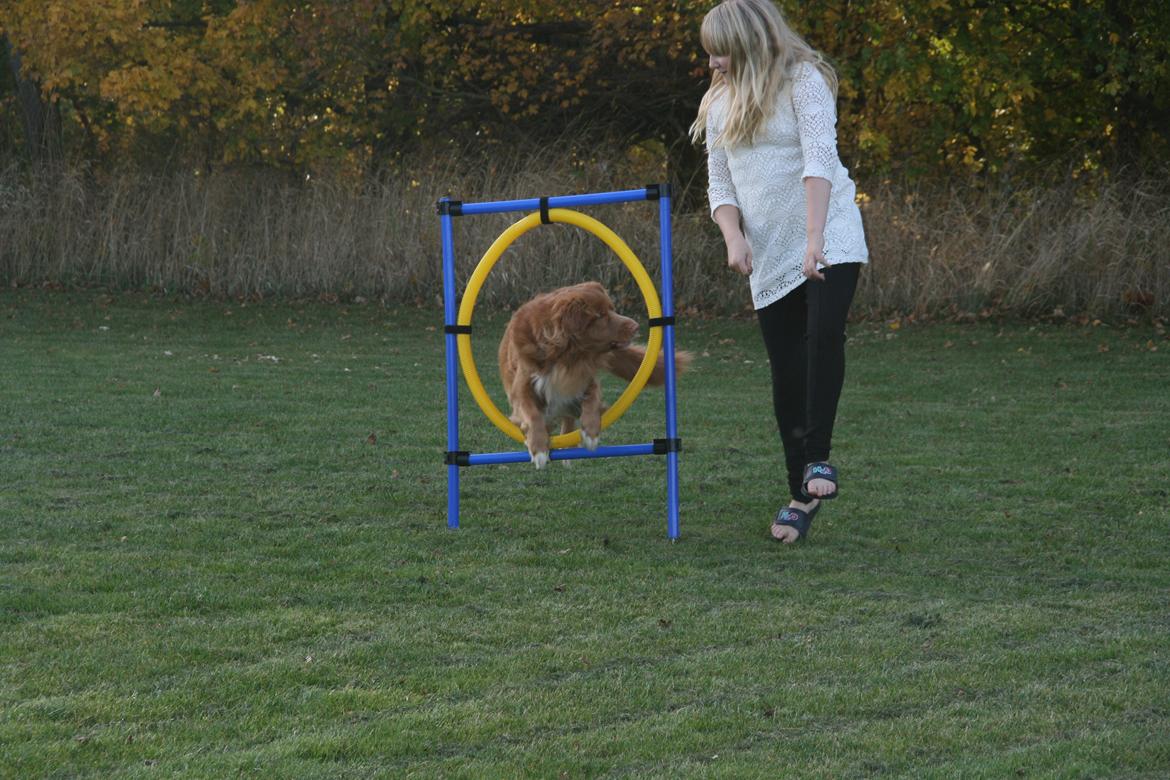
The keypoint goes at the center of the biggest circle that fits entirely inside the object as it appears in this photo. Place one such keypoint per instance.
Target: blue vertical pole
(666, 248)
(449, 317)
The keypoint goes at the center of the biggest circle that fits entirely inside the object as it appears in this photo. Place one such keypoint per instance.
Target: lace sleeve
(720, 188)
(816, 122)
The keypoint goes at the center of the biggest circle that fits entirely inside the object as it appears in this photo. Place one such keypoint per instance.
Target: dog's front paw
(590, 442)
(540, 459)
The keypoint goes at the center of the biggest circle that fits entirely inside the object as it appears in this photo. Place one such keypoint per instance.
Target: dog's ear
(551, 339)
(575, 315)
(549, 328)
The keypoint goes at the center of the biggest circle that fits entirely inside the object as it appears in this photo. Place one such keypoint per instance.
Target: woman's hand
(739, 255)
(814, 253)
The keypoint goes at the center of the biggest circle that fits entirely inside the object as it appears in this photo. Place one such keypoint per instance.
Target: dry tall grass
(1099, 249)
(935, 248)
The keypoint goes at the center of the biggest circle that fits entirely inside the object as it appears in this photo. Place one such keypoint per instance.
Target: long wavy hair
(762, 51)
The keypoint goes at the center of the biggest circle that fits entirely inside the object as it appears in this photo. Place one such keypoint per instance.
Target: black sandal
(819, 470)
(796, 518)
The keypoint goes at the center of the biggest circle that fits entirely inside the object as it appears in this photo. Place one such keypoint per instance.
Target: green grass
(208, 568)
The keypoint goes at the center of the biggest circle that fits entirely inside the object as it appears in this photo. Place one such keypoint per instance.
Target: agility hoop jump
(458, 329)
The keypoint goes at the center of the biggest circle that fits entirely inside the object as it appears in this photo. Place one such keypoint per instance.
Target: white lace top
(765, 182)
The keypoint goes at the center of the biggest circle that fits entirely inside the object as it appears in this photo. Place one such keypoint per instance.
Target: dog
(550, 355)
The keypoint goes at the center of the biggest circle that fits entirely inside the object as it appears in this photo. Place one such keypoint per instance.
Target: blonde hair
(762, 51)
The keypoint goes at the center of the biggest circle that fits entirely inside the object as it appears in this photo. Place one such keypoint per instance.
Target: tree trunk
(42, 119)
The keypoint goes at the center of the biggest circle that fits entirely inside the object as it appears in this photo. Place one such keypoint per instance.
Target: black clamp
(452, 208)
(657, 191)
(457, 458)
(544, 218)
(459, 329)
(657, 322)
(663, 446)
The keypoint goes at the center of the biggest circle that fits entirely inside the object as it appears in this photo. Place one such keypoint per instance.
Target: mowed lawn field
(223, 551)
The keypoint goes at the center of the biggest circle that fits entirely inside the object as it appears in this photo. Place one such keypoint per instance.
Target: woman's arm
(739, 254)
(816, 199)
(725, 207)
(816, 124)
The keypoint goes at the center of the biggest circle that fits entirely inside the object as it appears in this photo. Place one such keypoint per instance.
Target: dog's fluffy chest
(560, 391)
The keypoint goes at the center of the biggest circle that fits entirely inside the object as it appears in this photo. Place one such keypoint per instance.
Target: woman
(786, 208)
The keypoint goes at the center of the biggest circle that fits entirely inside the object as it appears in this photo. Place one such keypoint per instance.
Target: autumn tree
(927, 86)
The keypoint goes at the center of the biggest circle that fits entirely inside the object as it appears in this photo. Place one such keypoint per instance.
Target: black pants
(804, 333)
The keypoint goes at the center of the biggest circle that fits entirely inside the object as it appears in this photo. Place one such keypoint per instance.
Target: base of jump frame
(457, 320)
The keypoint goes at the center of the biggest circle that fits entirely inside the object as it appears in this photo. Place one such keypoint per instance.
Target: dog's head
(583, 317)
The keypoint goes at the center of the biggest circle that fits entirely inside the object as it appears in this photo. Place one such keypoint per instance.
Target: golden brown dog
(550, 355)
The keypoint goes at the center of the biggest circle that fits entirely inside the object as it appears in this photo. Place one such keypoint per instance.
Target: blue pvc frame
(448, 209)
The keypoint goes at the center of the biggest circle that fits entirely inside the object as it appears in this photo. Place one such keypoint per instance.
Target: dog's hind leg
(528, 414)
(568, 425)
(591, 416)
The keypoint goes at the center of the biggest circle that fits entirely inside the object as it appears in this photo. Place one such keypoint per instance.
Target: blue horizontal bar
(569, 453)
(555, 202)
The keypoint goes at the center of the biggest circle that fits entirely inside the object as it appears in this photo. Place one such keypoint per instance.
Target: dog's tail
(624, 363)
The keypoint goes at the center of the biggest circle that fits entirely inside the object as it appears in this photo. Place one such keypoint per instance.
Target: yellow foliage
(949, 83)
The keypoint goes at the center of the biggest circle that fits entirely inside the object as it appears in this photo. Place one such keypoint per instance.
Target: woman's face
(720, 64)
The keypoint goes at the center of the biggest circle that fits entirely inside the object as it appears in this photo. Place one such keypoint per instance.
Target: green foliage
(927, 86)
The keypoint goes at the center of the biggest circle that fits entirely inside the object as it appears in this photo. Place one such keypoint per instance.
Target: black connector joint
(452, 208)
(657, 191)
(663, 446)
(458, 458)
(657, 322)
(544, 218)
(457, 329)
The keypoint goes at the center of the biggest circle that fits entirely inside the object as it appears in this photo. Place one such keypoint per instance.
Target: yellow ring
(489, 259)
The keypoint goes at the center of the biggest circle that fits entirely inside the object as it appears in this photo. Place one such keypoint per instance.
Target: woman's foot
(783, 531)
(820, 480)
(821, 487)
